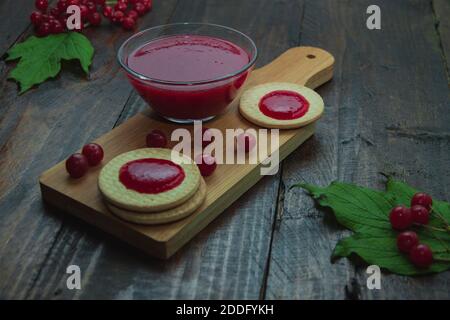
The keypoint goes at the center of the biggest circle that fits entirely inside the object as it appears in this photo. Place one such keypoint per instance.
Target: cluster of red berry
(54, 20)
(402, 218)
(92, 154)
(78, 163)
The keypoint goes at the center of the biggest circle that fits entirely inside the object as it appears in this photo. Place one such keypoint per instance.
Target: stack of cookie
(145, 186)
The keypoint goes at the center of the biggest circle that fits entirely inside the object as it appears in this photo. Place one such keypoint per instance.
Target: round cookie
(250, 99)
(120, 196)
(166, 216)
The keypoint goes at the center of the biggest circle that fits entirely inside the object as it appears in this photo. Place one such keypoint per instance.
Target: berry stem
(432, 228)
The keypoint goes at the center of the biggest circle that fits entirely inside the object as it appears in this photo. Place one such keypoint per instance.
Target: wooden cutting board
(80, 197)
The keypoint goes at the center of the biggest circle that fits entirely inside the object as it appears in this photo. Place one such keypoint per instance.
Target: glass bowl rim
(224, 77)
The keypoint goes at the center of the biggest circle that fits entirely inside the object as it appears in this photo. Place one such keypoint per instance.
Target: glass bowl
(186, 101)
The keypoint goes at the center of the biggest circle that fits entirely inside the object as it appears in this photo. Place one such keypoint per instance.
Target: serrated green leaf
(366, 212)
(357, 208)
(383, 252)
(40, 58)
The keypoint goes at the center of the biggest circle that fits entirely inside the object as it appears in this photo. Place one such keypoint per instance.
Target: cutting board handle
(307, 66)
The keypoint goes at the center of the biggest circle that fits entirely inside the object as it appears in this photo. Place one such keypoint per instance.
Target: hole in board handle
(311, 56)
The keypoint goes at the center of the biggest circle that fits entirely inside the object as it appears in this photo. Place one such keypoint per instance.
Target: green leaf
(40, 58)
(356, 208)
(366, 212)
(383, 252)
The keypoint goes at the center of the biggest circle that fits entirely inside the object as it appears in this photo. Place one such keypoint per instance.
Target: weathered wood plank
(228, 259)
(300, 266)
(40, 128)
(389, 105)
(14, 22)
(441, 9)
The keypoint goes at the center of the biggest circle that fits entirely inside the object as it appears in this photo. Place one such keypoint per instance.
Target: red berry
(406, 240)
(62, 5)
(41, 5)
(77, 165)
(95, 19)
(132, 14)
(206, 164)
(420, 214)
(73, 3)
(156, 139)
(56, 26)
(400, 217)
(108, 11)
(36, 18)
(55, 12)
(248, 140)
(120, 6)
(43, 29)
(147, 4)
(128, 23)
(92, 7)
(84, 11)
(117, 16)
(94, 153)
(422, 199)
(100, 2)
(421, 256)
(140, 8)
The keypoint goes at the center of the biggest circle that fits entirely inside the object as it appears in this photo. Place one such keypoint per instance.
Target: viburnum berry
(56, 26)
(41, 5)
(147, 4)
(100, 2)
(108, 11)
(55, 12)
(206, 164)
(128, 23)
(400, 217)
(422, 199)
(420, 214)
(93, 153)
(121, 6)
(117, 17)
(132, 14)
(406, 240)
(92, 7)
(95, 19)
(421, 256)
(36, 18)
(156, 139)
(84, 11)
(43, 29)
(77, 165)
(62, 5)
(140, 8)
(73, 3)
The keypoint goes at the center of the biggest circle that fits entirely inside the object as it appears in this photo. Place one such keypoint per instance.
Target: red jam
(188, 58)
(151, 175)
(284, 105)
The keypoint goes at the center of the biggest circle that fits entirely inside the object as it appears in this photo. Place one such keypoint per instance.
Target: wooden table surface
(387, 109)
